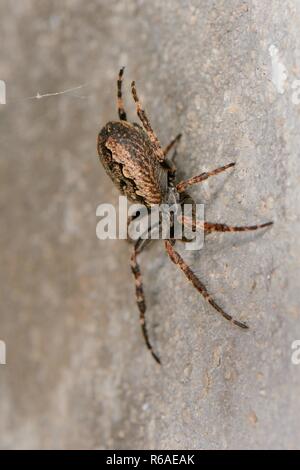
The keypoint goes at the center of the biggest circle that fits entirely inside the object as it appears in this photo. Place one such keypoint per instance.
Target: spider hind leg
(191, 276)
(140, 296)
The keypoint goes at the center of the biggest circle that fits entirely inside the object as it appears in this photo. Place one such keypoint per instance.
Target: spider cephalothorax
(138, 165)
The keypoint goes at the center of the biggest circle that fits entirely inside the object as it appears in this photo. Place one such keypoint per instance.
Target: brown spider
(138, 165)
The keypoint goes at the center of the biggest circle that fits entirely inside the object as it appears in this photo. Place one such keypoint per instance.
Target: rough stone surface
(226, 74)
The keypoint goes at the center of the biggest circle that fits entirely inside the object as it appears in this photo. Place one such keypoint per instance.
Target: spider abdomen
(127, 155)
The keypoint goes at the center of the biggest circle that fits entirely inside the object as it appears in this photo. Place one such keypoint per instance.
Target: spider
(137, 164)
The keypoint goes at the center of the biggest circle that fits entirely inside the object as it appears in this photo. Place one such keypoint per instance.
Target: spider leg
(173, 143)
(170, 167)
(146, 123)
(140, 296)
(168, 163)
(199, 178)
(191, 276)
(121, 110)
(210, 227)
(130, 219)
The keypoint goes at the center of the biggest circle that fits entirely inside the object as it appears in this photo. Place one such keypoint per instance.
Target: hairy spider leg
(203, 176)
(210, 227)
(173, 143)
(146, 123)
(120, 103)
(168, 163)
(191, 276)
(130, 219)
(140, 296)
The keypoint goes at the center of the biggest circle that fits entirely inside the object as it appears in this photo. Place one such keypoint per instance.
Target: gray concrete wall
(226, 74)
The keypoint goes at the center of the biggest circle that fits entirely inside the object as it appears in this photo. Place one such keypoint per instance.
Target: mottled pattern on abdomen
(128, 157)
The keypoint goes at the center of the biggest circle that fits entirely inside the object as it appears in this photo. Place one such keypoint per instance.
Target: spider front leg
(191, 276)
(146, 123)
(140, 296)
(121, 110)
(203, 176)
